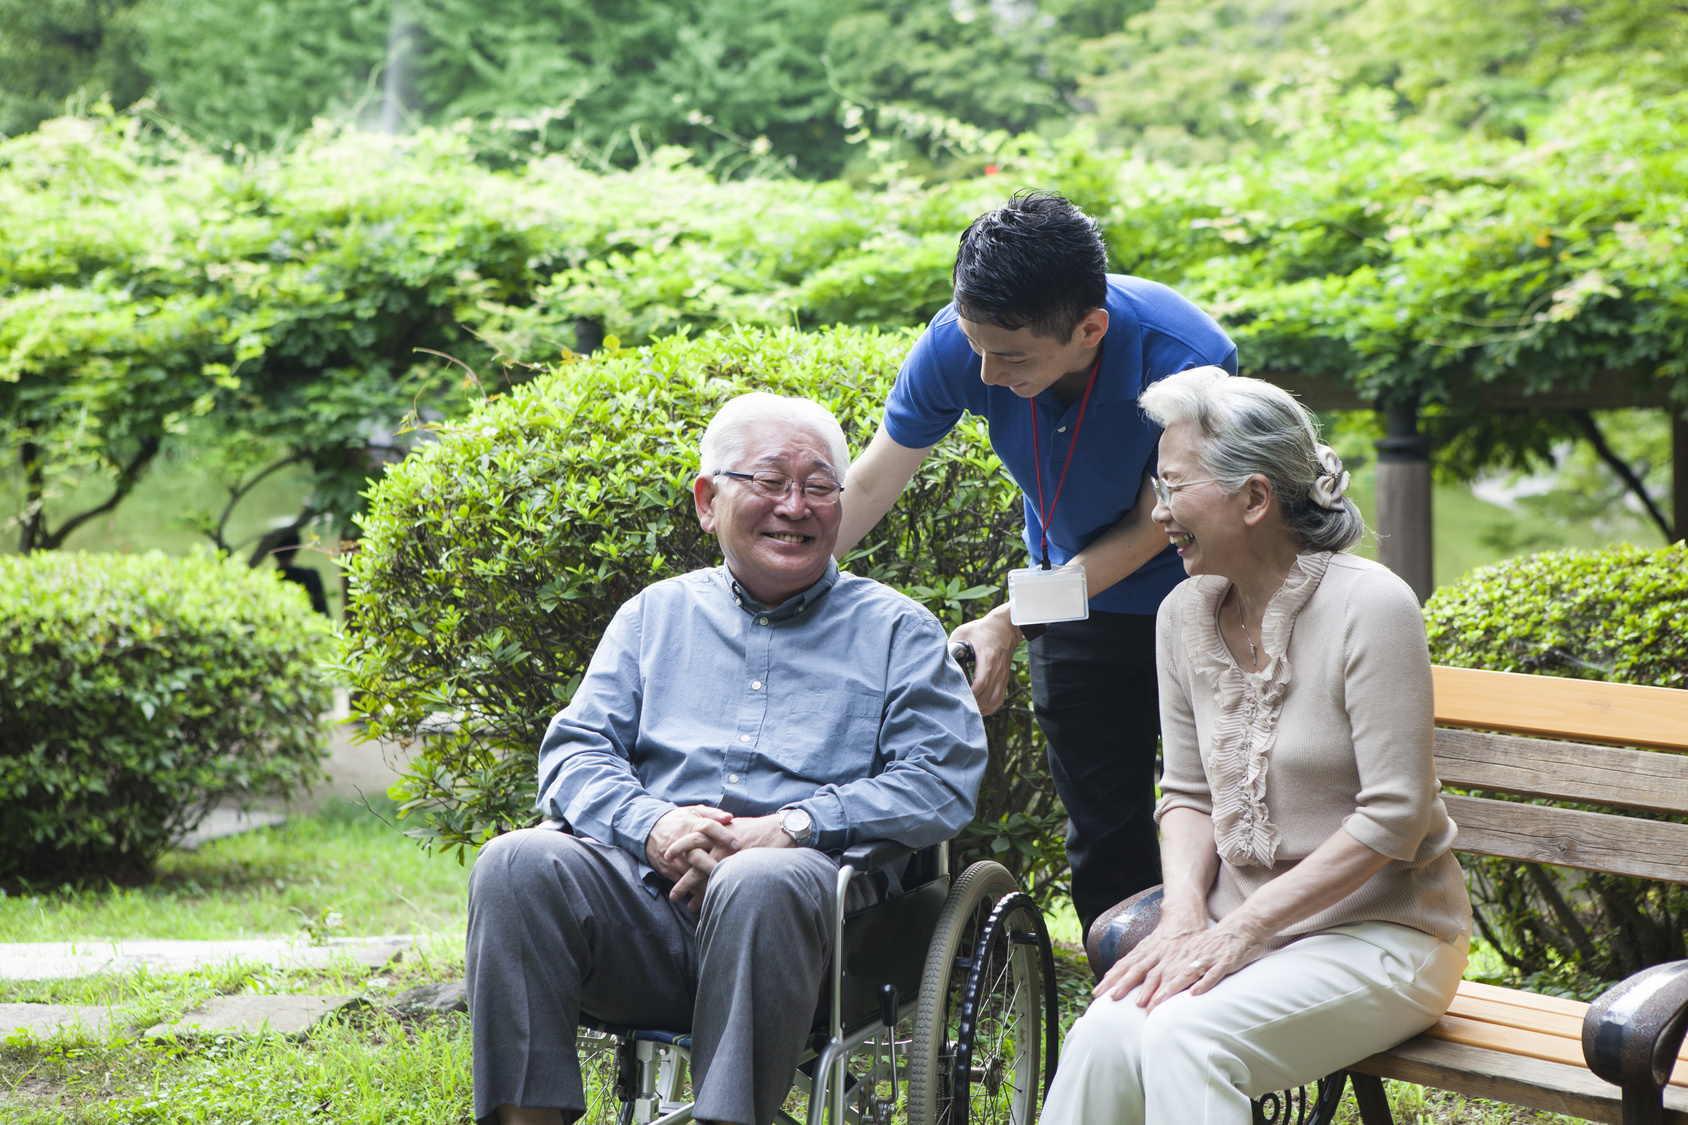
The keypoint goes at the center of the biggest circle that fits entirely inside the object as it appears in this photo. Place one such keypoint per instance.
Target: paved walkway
(356, 770)
(51, 960)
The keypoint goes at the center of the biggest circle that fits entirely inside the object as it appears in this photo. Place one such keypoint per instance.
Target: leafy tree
(256, 73)
(51, 50)
(1195, 82)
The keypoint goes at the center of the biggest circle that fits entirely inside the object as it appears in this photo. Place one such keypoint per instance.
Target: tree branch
(127, 477)
(267, 545)
(239, 492)
(34, 496)
(1618, 465)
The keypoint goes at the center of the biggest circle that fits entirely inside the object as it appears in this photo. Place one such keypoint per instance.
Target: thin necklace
(1253, 653)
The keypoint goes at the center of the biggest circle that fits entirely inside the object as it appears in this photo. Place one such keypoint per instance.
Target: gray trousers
(559, 925)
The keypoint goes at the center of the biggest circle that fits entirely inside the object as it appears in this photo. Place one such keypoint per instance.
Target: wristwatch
(794, 822)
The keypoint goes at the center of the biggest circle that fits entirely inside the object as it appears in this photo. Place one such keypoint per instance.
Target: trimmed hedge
(135, 690)
(1615, 614)
(493, 559)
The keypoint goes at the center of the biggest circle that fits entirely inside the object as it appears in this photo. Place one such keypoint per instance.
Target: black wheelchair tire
(972, 898)
(1008, 1027)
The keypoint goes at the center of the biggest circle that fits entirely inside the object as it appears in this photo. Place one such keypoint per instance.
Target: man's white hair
(724, 439)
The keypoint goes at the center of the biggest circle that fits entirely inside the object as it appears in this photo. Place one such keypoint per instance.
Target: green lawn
(263, 883)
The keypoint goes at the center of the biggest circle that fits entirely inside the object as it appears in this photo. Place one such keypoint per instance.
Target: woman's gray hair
(724, 438)
(1248, 427)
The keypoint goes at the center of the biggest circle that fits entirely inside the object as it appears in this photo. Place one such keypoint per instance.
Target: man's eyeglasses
(1164, 491)
(776, 486)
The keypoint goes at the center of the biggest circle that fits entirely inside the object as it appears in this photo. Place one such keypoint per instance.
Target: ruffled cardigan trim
(1240, 749)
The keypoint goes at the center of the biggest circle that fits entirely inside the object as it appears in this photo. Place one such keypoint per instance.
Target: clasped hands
(1183, 952)
(687, 843)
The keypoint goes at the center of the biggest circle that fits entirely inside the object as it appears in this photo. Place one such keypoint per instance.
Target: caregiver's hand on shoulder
(1183, 952)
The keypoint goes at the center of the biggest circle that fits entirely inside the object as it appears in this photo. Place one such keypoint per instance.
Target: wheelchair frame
(1006, 945)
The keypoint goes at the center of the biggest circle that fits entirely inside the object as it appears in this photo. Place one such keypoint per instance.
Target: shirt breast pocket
(830, 737)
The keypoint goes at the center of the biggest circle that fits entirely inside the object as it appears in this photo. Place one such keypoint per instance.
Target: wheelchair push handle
(963, 653)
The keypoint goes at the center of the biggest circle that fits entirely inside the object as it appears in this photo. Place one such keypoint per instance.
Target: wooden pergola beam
(1609, 390)
(1403, 488)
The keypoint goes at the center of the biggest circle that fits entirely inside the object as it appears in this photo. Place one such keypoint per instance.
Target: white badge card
(1041, 597)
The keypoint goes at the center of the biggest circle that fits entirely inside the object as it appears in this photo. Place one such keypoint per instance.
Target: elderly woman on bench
(1313, 913)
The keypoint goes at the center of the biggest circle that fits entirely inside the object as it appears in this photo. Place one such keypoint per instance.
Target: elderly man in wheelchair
(745, 874)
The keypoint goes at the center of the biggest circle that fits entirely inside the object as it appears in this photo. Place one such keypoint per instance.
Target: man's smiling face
(1029, 364)
(775, 548)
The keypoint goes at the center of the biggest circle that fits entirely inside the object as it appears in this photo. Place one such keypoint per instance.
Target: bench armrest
(1632, 1033)
(1120, 928)
(871, 855)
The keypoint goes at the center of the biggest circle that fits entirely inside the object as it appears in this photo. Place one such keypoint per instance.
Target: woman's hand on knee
(1151, 953)
(1177, 957)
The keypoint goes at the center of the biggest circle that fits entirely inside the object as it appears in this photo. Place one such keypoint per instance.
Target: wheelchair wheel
(938, 1023)
(1008, 1018)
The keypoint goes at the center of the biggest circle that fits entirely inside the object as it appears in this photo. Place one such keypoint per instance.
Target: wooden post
(1403, 499)
(1679, 473)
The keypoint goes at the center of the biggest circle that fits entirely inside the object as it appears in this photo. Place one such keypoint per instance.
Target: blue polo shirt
(1152, 332)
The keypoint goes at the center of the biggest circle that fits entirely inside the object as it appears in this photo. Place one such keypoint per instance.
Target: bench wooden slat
(1566, 771)
(1517, 1041)
(1621, 714)
(1476, 1006)
(1572, 1090)
(1524, 1019)
(1620, 845)
(1536, 1001)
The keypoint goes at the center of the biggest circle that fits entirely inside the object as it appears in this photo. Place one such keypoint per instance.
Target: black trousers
(1095, 695)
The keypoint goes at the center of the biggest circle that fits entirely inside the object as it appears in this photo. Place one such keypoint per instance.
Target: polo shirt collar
(789, 608)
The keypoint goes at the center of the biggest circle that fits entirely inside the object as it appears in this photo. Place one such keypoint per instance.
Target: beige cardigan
(1334, 732)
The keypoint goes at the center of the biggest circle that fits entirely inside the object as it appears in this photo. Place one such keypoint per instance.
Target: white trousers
(1297, 1014)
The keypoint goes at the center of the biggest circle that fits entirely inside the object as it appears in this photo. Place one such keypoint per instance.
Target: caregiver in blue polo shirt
(1052, 350)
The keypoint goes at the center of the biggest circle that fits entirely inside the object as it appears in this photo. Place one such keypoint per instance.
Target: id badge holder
(1042, 597)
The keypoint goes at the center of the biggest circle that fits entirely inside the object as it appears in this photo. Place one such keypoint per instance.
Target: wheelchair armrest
(1120, 928)
(871, 855)
(1633, 1030)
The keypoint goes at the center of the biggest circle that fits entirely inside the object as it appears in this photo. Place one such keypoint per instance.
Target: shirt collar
(789, 608)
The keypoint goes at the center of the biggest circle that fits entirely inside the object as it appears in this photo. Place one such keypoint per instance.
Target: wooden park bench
(1619, 1059)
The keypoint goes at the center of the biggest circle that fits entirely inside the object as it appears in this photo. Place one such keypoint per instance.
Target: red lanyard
(1044, 516)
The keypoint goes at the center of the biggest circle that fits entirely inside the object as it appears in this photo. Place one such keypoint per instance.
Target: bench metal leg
(1373, 1102)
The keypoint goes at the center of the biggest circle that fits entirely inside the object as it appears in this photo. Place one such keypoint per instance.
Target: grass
(370, 1066)
(265, 883)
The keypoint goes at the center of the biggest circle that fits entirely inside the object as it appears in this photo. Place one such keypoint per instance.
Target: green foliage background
(493, 559)
(311, 306)
(136, 690)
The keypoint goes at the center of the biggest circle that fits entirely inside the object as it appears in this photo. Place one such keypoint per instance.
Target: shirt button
(755, 685)
(744, 738)
(761, 621)
(733, 777)
(1060, 429)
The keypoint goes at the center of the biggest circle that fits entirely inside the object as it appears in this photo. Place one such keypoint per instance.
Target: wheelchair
(968, 960)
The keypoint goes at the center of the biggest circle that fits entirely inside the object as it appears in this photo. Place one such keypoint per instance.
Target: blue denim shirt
(843, 701)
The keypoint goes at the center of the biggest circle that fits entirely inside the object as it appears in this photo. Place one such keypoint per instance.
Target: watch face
(796, 824)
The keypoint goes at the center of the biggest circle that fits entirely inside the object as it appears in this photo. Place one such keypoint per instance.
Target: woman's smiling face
(1202, 522)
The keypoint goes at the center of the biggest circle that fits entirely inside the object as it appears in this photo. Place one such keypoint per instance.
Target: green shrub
(135, 690)
(492, 560)
(1616, 615)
